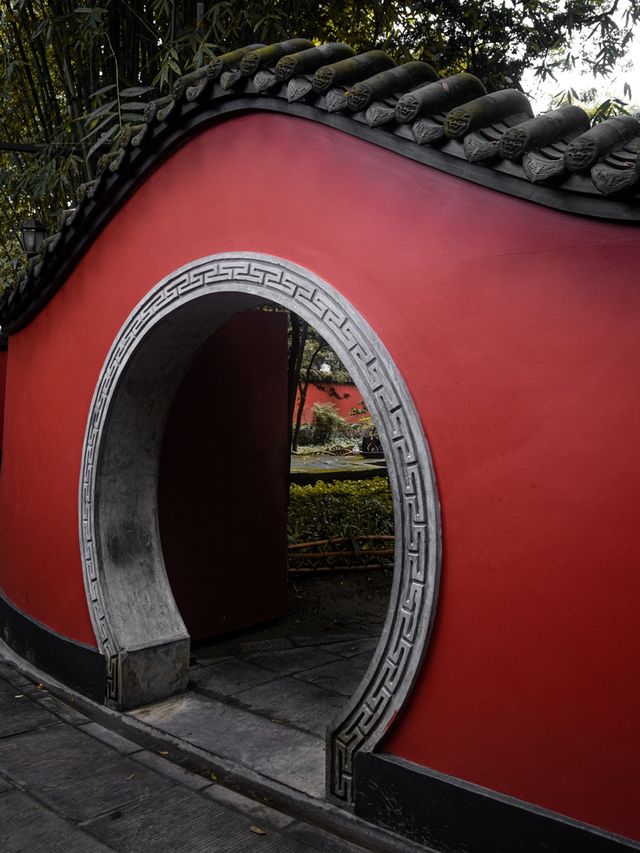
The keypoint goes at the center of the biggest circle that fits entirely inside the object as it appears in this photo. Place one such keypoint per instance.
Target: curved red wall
(516, 329)
(3, 380)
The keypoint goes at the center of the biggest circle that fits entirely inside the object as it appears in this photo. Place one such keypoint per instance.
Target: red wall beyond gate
(344, 398)
(517, 330)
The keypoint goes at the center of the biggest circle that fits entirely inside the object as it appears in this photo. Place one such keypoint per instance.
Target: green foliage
(311, 362)
(597, 112)
(343, 508)
(327, 423)
(73, 80)
(360, 409)
(366, 430)
(319, 362)
(609, 107)
(304, 436)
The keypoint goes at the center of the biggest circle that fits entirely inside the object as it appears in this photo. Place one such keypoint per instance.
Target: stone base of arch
(152, 672)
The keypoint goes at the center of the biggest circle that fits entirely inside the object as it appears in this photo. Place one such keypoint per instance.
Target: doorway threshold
(264, 697)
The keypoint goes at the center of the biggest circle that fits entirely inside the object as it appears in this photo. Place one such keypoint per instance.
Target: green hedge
(345, 508)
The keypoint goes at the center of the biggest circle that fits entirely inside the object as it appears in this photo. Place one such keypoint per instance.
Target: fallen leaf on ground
(19, 696)
(257, 830)
(164, 752)
(131, 776)
(214, 778)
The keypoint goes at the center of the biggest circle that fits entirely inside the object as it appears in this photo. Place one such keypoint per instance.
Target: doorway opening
(137, 622)
(284, 595)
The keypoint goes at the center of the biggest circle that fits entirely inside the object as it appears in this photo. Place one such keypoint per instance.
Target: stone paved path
(264, 698)
(70, 784)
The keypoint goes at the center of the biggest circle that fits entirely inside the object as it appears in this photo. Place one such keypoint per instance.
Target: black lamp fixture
(32, 234)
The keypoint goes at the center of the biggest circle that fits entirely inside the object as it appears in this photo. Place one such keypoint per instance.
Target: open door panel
(223, 481)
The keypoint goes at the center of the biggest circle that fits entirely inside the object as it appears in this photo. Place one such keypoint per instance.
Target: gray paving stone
(29, 827)
(289, 756)
(240, 647)
(264, 816)
(12, 675)
(65, 712)
(31, 690)
(343, 676)
(20, 714)
(75, 774)
(173, 771)
(351, 648)
(185, 821)
(210, 657)
(262, 644)
(112, 739)
(8, 672)
(306, 706)
(373, 627)
(229, 675)
(293, 660)
(326, 635)
(316, 839)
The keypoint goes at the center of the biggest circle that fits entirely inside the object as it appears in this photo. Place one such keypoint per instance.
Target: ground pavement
(69, 783)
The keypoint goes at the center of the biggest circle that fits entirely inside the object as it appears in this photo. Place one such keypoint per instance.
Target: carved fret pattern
(394, 665)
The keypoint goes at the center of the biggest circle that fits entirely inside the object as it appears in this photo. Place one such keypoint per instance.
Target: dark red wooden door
(222, 497)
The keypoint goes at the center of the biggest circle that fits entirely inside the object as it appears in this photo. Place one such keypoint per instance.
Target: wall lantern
(32, 234)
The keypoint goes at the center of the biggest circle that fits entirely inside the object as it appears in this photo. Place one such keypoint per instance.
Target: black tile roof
(451, 124)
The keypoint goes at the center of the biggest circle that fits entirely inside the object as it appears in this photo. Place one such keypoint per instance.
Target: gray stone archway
(134, 615)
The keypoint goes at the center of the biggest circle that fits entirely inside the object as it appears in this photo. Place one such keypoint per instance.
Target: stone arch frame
(137, 624)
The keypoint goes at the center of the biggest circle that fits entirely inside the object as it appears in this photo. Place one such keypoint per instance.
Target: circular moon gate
(137, 624)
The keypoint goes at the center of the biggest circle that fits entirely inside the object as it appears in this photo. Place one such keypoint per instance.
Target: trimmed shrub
(305, 435)
(327, 423)
(343, 508)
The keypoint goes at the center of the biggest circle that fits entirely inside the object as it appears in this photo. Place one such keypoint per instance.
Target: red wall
(348, 398)
(3, 379)
(517, 331)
